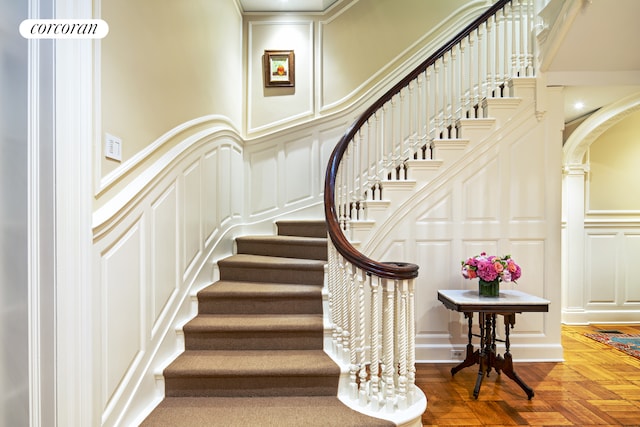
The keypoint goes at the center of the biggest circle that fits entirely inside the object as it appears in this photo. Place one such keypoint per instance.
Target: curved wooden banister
(396, 271)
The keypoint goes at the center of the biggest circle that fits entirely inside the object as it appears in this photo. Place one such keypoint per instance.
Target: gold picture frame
(279, 68)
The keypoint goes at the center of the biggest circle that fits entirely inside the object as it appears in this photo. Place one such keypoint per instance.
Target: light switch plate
(113, 147)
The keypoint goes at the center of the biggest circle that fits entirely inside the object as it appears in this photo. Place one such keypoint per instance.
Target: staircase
(254, 353)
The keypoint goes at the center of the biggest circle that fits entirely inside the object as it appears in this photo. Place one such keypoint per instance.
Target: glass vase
(489, 289)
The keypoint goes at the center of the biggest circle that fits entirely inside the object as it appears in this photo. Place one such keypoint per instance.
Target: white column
(78, 387)
(573, 299)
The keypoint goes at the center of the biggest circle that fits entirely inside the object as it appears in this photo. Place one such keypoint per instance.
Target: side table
(507, 304)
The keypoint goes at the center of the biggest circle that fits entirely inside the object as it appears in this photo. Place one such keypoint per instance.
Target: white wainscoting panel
(298, 169)
(235, 180)
(631, 278)
(526, 160)
(601, 268)
(210, 200)
(263, 167)
(123, 274)
(153, 255)
(164, 253)
(192, 212)
(482, 192)
(225, 189)
(611, 290)
(434, 259)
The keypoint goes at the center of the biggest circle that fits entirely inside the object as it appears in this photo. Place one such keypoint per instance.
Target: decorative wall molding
(579, 141)
(211, 122)
(286, 106)
(141, 182)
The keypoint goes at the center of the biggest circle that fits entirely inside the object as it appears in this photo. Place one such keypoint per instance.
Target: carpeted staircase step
(289, 411)
(233, 297)
(254, 268)
(283, 246)
(305, 228)
(254, 332)
(254, 353)
(226, 373)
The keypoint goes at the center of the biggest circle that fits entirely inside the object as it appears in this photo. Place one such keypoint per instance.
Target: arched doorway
(598, 245)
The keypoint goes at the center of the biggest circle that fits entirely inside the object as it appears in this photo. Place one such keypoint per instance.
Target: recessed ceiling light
(579, 105)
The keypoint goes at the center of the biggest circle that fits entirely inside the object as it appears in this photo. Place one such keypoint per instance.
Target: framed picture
(279, 68)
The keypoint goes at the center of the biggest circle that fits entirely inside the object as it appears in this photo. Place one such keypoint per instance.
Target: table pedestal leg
(506, 363)
(507, 368)
(486, 355)
(472, 355)
(486, 347)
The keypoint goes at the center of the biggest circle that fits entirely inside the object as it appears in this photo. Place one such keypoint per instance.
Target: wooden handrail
(389, 270)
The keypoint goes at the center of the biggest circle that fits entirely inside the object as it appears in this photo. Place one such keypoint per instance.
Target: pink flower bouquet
(490, 268)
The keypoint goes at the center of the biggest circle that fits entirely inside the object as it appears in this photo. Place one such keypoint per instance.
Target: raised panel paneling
(435, 221)
(237, 182)
(600, 268)
(482, 193)
(526, 160)
(440, 210)
(192, 237)
(264, 182)
(631, 259)
(434, 259)
(298, 170)
(395, 250)
(225, 182)
(210, 191)
(163, 251)
(122, 271)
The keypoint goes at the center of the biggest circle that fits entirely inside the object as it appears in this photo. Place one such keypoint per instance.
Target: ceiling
(285, 5)
(597, 60)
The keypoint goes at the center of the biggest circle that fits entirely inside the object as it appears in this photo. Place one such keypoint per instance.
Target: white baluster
(427, 96)
(463, 91)
(339, 306)
(530, 36)
(436, 98)
(489, 60)
(363, 397)
(499, 25)
(453, 92)
(353, 338)
(514, 41)
(411, 340)
(472, 74)
(420, 137)
(481, 74)
(375, 342)
(388, 345)
(402, 331)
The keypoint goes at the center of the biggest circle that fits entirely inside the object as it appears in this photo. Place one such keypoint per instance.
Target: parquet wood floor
(596, 385)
